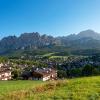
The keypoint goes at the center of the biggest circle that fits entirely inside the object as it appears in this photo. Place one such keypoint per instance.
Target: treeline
(3, 59)
(87, 70)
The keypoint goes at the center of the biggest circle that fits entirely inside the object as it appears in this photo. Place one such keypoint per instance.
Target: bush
(89, 70)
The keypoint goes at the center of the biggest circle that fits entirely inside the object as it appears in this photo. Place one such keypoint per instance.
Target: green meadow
(87, 88)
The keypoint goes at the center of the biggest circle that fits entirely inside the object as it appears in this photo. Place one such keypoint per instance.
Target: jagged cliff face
(26, 40)
(86, 39)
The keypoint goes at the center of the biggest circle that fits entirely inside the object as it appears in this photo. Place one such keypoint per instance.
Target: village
(43, 74)
(46, 69)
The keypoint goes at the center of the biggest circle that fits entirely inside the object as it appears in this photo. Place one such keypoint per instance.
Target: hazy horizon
(51, 17)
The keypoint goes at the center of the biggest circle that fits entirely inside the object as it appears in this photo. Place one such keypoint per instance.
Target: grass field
(87, 88)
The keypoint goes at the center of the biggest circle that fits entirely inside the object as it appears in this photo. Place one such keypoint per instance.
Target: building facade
(5, 72)
(43, 74)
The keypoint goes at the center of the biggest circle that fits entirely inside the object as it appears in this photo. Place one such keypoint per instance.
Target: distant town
(49, 69)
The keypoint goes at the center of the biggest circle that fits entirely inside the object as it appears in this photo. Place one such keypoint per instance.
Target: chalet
(5, 72)
(43, 74)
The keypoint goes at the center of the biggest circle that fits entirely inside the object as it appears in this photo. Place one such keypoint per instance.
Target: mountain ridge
(87, 39)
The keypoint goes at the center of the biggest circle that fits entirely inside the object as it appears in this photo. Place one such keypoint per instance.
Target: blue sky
(52, 17)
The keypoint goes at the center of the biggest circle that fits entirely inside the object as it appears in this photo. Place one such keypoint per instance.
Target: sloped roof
(44, 71)
(5, 68)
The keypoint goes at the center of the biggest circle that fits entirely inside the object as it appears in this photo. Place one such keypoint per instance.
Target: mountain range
(84, 40)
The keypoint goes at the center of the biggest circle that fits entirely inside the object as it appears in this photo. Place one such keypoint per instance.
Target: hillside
(87, 88)
(35, 42)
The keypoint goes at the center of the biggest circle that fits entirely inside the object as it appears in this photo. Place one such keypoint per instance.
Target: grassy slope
(74, 89)
(10, 86)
